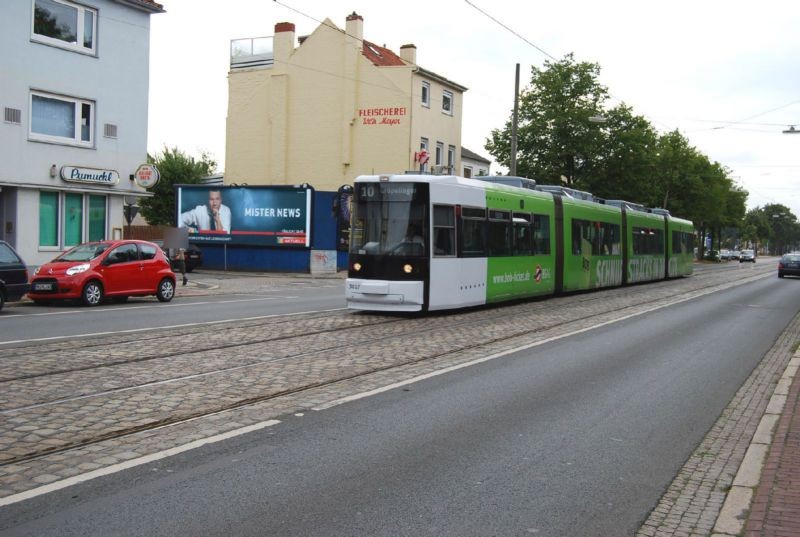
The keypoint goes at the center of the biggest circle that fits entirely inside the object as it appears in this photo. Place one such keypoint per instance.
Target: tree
(756, 227)
(555, 137)
(784, 228)
(623, 167)
(175, 168)
(621, 158)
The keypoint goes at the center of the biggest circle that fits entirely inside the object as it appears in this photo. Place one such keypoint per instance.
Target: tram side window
(647, 241)
(682, 242)
(444, 230)
(522, 234)
(541, 234)
(499, 233)
(595, 238)
(473, 225)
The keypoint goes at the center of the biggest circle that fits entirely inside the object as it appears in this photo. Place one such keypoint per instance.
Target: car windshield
(747, 252)
(84, 252)
(7, 255)
(792, 257)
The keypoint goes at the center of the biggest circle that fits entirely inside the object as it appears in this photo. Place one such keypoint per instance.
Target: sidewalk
(775, 508)
(764, 500)
(206, 281)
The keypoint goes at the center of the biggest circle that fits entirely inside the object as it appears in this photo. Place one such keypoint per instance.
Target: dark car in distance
(789, 265)
(13, 275)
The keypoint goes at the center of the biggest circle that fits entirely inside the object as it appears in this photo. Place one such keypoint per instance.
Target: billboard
(246, 215)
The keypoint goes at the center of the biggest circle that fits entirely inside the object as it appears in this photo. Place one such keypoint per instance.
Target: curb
(733, 516)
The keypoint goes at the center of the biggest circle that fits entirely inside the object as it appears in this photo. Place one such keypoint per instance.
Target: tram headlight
(407, 268)
(356, 266)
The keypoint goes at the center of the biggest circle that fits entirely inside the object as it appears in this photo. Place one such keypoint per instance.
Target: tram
(426, 242)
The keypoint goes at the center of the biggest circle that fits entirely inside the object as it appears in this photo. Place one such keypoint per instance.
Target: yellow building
(334, 107)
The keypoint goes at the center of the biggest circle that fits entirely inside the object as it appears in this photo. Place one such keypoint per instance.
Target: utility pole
(512, 168)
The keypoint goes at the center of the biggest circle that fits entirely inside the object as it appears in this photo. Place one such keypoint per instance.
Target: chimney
(409, 53)
(355, 26)
(283, 41)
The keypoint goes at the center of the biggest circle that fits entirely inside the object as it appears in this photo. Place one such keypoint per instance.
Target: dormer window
(66, 25)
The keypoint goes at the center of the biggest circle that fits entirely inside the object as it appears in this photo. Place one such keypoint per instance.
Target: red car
(94, 270)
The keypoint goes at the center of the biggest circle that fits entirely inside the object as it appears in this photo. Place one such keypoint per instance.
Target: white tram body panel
(384, 295)
(457, 282)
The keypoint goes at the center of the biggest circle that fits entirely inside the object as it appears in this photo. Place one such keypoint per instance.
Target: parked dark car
(789, 265)
(95, 270)
(13, 275)
(192, 255)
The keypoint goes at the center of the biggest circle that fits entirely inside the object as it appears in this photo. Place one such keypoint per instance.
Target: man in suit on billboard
(214, 217)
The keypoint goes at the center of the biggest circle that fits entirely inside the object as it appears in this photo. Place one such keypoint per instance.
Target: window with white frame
(55, 118)
(65, 24)
(439, 153)
(426, 94)
(447, 102)
(451, 158)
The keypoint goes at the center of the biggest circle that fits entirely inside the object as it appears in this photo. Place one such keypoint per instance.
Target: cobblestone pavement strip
(103, 410)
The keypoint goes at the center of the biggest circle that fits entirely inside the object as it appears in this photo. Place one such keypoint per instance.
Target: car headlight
(77, 269)
(36, 271)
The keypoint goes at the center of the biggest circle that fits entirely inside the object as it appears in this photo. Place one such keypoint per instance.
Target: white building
(472, 164)
(74, 80)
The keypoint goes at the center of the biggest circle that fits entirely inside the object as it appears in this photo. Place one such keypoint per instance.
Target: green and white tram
(423, 242)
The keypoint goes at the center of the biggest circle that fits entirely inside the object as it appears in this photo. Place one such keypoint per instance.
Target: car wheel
(189, 269)
(92, 293)
(2, 300)
(780, 275)
(166, 290)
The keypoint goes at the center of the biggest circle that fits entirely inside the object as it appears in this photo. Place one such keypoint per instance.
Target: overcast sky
(726, 73)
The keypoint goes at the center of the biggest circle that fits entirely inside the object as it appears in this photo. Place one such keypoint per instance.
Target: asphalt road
(578, 437)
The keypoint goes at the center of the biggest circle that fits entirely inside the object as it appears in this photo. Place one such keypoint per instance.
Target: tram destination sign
(387, 191)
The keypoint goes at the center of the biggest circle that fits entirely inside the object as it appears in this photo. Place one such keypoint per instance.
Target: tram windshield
(389, 219)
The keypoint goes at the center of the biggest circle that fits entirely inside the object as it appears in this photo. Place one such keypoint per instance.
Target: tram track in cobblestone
(162, 338)
(359, 322)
